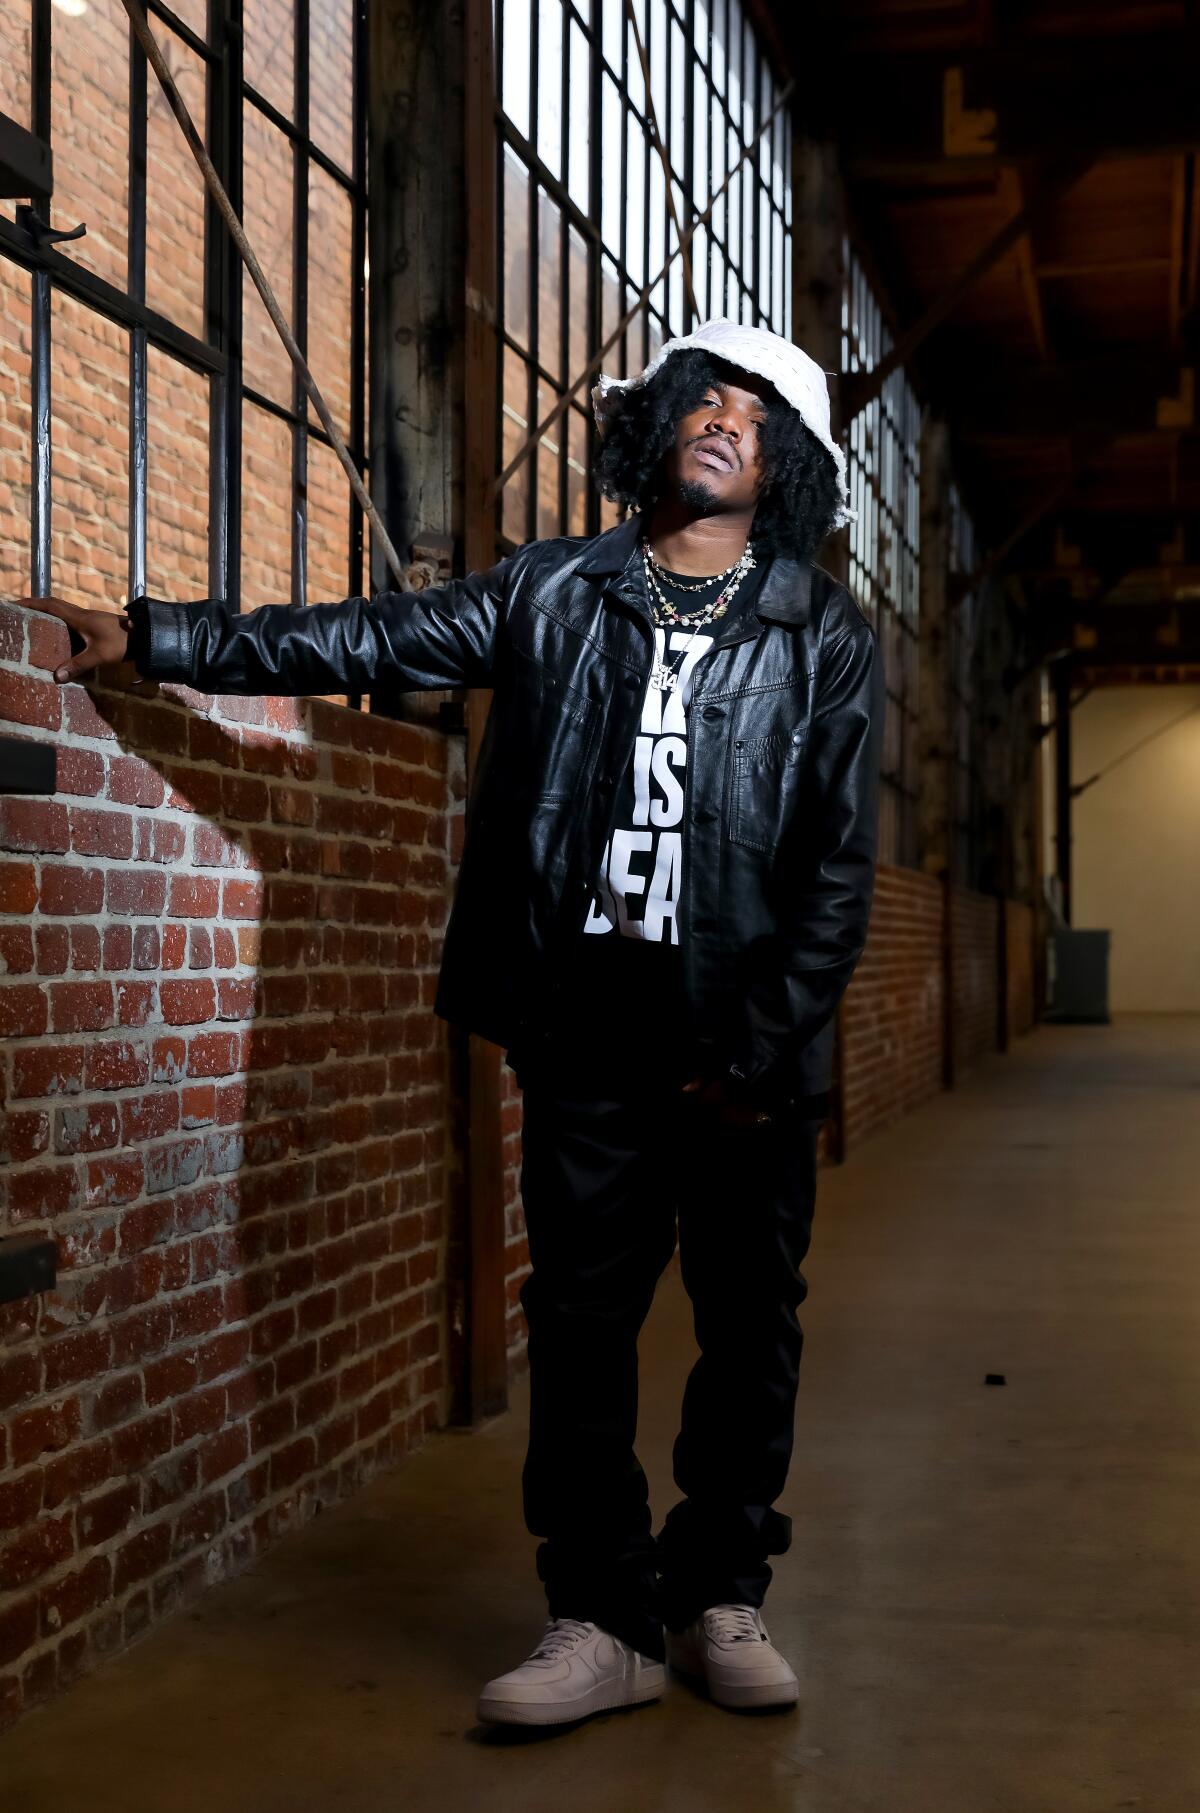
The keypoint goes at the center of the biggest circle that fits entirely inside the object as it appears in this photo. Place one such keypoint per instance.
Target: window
(585, 224)
(883, 459)
(174, 417)
(964, 613)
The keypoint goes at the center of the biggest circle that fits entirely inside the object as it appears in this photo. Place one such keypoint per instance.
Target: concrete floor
(992, 1596)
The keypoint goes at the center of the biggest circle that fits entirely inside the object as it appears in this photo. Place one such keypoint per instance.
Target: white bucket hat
(798, 379)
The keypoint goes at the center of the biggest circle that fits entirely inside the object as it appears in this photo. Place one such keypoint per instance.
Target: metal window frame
(774, 150)
(883, 455)
(219, 356)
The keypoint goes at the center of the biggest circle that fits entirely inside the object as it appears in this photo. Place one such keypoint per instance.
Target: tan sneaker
(576, 1669)
(728, 1645)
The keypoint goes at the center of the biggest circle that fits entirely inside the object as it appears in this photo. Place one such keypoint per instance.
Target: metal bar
(40, 324)
(138, 351)
(74, 280)
(299, 437)
(1062, 781)
(216, 188)
(291, 131)
(577, 383)
(359, 425)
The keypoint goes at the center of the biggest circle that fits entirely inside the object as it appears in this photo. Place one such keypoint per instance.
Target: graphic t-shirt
(627, 966)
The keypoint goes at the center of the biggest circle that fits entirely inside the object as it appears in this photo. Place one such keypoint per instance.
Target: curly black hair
(798, 503)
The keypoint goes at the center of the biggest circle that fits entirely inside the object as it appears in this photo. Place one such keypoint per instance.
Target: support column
(817, 275)
(1062, 782)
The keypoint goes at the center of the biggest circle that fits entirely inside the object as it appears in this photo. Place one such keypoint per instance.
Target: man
(664, 890)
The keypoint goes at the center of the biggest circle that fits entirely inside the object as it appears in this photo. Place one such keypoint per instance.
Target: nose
(724, 423)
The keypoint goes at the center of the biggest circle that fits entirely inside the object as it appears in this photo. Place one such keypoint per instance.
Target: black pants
(608, 1171)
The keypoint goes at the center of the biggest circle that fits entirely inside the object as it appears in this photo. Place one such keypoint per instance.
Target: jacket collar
(785, 596)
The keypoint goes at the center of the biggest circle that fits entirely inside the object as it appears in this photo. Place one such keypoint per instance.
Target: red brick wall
(892, 1012)
(976, 976)
(516, 1240)
(227, 1101)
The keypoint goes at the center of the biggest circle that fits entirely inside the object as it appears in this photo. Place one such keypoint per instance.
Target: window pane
(89, 483)
(16, 430)
(328, 559)
(633, 63)
(515, 496)
(267, 211)
(331, 78)
(550, 75)
(550, 457)
(269, 28)
(193, 13)
(635, 204)
(518, 37)
(16, 64)
(266, 508)
(610, 305)
(175, 193)
(90, 109)
(579, 164)
(579, 310)
(549, 286)
(176, 478)
(610, 166)
(515, 290)
(577, 473)
(330, 304)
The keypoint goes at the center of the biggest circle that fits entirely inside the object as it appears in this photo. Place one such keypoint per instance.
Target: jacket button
(703, 817)
(712, 713)
(632, 682)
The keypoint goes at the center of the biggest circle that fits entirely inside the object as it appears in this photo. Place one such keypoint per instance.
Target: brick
(146, 947)
(146, 1117)
(194, 897)
(110, 1182)
(53, 944)
(242, 899)
(18, 887)
(132, 782)
(49, 1070)
(26, 1135)
(42, 1194)
(16, 950)
(34, 1552)
(116, 1064)
(135, 1002)
(68, 888)
(101, 833)
(85, 947)
(213, 1054)
(187, 1003)
(27, 701)
(33, 824)
(137, 892)
(80, 772)
(81, 1006)
(23, 1012)
(118, 947)
(86, 1127)
(169, 1059)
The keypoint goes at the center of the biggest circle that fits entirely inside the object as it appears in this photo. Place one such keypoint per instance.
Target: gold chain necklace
(664, 611)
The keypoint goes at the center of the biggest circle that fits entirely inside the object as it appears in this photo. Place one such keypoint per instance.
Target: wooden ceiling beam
(861, 388)
(951, 119)
(1012, 189)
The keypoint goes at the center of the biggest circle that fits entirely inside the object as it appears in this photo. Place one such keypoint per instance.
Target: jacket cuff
(160, 638)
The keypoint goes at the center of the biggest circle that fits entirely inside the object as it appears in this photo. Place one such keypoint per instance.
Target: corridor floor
(992, 1595)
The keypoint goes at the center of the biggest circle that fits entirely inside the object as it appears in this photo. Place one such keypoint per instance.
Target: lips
(715, 454)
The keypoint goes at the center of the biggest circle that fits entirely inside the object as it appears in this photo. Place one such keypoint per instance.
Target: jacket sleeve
(794, 980)
(444, 636)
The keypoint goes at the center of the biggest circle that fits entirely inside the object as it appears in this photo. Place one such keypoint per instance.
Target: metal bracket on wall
(28, 1264)
(27, 767)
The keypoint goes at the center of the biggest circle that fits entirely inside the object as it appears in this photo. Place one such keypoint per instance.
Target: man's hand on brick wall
(104, 634)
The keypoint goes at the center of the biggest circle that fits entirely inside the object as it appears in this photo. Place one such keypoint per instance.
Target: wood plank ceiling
(1067, 369)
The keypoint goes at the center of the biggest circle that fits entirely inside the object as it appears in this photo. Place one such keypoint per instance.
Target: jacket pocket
(762, 771)
(545, 731)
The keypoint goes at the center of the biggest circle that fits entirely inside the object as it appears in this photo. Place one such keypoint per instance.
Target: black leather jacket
(784, 742)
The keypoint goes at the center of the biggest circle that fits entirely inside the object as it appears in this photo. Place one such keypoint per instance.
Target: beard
(697, 497)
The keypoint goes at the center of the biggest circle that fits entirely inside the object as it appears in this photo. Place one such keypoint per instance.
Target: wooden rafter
(1012, 189)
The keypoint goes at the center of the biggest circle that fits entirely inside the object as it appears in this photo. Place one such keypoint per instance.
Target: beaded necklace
(665, 675)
